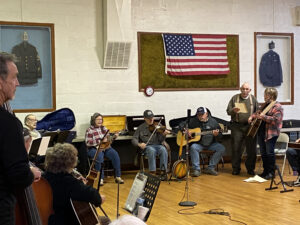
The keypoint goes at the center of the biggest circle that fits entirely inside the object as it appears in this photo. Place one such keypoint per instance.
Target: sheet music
(44, 145)
(136, 190)
(241, 106)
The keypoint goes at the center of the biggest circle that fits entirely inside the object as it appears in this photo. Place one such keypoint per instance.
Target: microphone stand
(118, 196)
(186, 191)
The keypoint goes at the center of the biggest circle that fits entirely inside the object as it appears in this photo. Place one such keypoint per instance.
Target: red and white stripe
(210, 59)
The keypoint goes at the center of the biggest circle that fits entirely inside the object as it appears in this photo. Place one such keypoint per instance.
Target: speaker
(297, 15)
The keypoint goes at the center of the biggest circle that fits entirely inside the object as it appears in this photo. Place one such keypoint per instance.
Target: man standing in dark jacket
(15, 173)
(240, 107)
(205, 122)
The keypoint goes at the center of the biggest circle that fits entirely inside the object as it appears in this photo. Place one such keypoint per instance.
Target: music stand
(151, 189)
(281, 180)
(186, 191)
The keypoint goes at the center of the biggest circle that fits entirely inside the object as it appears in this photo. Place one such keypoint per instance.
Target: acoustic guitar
(195, 135)
(257, 122)
(85, 212)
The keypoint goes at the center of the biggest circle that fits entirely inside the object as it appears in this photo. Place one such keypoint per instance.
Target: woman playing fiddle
(152, 143)
(59, 164)
(95, 135)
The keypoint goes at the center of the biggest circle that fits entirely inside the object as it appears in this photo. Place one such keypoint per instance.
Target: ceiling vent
(117, 20)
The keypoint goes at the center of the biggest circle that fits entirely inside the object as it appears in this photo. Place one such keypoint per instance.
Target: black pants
(239, 140)
(293, 157)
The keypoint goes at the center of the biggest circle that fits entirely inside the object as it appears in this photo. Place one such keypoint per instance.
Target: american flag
(195, 54)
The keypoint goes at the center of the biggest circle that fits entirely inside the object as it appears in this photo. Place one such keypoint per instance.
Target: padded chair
(281, 147)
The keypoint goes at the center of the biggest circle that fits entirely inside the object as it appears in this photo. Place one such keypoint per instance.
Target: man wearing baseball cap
(205, 122)
(151, 143)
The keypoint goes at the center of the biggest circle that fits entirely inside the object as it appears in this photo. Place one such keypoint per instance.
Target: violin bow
(154, 131)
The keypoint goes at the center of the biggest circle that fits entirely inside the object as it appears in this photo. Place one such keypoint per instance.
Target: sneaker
(101, 182)
(196, 173)
(119, 180)
(210, 172)
(297, 182)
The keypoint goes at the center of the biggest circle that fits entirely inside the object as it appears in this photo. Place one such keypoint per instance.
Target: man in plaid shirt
(269, 131)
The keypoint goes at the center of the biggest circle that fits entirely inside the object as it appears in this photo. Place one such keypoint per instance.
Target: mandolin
(108, 140)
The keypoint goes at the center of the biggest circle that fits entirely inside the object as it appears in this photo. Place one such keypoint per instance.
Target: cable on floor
(220, 212)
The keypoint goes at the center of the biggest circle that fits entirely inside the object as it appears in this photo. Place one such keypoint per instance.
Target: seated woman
(60, 162)
(30, 124)
(96, 134)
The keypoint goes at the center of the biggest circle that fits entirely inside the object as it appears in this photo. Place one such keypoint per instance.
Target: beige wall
(85, 87)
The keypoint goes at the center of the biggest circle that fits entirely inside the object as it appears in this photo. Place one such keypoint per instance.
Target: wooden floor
(249, 203)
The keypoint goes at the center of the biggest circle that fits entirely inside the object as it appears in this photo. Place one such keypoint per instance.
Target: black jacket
(15, 172)
(210, 125)
(66, 187)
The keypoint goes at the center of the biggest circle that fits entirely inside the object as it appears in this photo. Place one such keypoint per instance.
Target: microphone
(189, 113)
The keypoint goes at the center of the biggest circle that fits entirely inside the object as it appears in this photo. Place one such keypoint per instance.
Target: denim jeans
(196, 148)
(109, 153)
(152, 151)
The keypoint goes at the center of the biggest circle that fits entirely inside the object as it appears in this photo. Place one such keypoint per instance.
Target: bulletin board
(152, 68)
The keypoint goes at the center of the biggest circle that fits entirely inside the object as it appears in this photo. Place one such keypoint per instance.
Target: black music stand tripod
(281, 181)
(186, 190)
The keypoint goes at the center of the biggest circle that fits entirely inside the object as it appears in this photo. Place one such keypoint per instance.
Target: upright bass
(34, 204)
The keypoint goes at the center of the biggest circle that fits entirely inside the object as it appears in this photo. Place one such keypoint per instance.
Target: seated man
(205, 122)
(96, 134)
(30, 124)
(152, 143)
(293, 157)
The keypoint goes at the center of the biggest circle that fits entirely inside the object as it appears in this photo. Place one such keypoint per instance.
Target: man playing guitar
(205, 122)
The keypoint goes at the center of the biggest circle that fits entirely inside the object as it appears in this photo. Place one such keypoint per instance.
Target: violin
(158, 127)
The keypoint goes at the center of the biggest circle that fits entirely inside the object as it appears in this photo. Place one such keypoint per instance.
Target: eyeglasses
(34, 120)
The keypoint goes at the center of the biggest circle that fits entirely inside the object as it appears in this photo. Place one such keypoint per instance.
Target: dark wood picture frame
(284, 46)
(38, 95)
(151, 61)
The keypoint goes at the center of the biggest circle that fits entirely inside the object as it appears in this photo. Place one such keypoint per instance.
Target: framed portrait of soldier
(32, 45)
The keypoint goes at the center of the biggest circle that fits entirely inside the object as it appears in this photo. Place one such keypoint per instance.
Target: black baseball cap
(201, 110)
(148, 114)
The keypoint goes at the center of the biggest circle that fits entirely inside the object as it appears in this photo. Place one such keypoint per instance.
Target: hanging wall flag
(195, 54)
